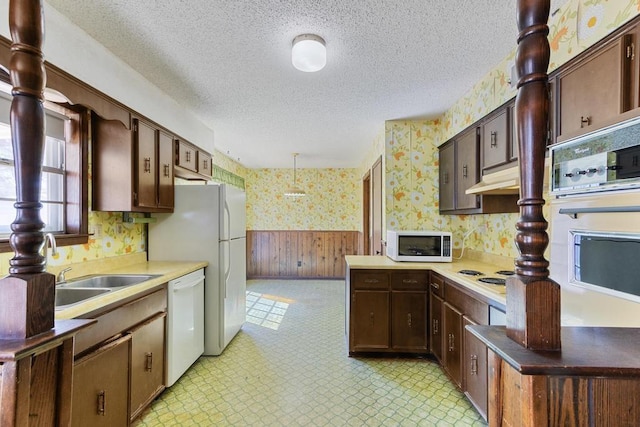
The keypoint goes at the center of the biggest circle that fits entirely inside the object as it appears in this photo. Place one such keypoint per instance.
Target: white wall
(73, 50)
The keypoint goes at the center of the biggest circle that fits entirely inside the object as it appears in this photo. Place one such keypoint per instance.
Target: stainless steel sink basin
(109, 281)
(69, 296)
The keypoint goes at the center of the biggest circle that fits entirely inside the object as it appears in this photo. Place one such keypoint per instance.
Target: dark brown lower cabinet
(370, 320)
(452, 359)
(101, 386)
(409, 321)
(147, 363)
(475, 369)
(435, 333)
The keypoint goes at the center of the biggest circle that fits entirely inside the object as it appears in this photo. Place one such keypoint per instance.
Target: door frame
(366, 213)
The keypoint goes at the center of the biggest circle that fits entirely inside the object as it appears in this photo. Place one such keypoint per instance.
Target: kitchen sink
(108, 281)
(69, 296)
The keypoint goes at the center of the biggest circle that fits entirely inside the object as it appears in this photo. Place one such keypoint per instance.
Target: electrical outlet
(97, 231)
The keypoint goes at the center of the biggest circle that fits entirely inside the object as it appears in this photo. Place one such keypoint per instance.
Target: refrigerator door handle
(227, 266)
(225, 233)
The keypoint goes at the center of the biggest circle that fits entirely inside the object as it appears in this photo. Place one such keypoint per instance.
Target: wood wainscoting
(299, 254)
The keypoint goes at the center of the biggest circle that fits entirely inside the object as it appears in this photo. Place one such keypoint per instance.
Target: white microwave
(419, 246)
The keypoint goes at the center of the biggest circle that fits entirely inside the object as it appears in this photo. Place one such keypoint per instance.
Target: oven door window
(608, 262)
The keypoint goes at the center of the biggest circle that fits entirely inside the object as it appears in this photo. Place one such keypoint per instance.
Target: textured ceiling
(229, 62)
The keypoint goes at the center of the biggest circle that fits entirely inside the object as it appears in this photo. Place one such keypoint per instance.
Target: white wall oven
(595, 256)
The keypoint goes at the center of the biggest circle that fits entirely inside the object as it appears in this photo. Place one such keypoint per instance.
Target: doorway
(366, 214)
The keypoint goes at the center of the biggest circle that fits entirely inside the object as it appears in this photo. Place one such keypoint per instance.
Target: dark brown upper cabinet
(496, 139)
(596, 87)
(192, 162)
(132, 169)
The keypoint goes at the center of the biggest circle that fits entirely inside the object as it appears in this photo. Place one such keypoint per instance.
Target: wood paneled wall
(299, 254)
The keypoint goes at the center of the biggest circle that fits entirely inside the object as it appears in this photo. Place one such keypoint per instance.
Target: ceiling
(229, 62)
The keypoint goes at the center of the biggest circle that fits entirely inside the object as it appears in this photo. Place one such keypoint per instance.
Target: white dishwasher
(185, 323)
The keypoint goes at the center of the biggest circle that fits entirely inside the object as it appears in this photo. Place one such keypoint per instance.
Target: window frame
(76, 177)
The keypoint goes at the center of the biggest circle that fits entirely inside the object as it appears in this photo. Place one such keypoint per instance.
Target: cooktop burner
(471, 272)
(506, 272)
(492, 280)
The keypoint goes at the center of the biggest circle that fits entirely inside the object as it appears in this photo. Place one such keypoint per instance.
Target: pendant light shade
(309, 53)
(294, 191)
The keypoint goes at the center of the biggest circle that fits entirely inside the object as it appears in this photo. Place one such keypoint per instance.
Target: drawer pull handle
(435, 326)
(409, 319)
(148, 365)
(474, 364)
(166, 170)
(585, 120)
(102, 402)
(452, 346)
(371, 281)
(446, 177)
(435, 285)
(188, 154)
(147, 164)
(465, 171)
(372, 318)
(494, 139)
(409, 281)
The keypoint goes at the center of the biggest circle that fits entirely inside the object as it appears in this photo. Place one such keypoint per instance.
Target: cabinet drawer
(367, 279)
(476, 310)
(121, 319)
(410, 280)
(437, 285)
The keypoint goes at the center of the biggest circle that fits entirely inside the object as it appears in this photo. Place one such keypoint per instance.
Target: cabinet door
(475, 370)
(409, 321)
(165, 170)
(447, 177)
(495, 140)
(595, 90)
(146, 165)
(453, 343)
(435, 331)
(370, 320)
(467, 170)
(204, 163)
(101, 387)
(147, 363)
(187, 156)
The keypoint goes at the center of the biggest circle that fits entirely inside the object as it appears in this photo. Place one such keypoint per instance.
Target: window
(63, 183)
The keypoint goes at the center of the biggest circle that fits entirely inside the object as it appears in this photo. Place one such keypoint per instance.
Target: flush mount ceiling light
(294, 191)
(309, 53)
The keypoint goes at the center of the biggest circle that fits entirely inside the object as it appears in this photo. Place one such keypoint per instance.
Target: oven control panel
(606, 159)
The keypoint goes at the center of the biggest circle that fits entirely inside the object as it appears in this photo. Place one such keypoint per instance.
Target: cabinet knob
(147, 164)
(102, 402)
(494, 138)
(148, 365)
(585, 120)
(166, 169)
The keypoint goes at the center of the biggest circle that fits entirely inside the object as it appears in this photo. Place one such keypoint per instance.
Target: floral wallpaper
(411, 155)
(333, 200)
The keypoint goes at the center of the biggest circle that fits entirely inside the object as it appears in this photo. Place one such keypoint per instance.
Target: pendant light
(294, 191)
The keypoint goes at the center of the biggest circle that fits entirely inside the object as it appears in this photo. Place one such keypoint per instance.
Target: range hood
(506, 181)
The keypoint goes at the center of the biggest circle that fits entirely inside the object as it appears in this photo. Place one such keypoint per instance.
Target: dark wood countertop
(586, 351)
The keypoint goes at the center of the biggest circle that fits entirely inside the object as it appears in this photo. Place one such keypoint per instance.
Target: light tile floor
(288, 366)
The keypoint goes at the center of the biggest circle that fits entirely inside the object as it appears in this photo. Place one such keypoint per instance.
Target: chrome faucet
(61, 278)
(49, 239)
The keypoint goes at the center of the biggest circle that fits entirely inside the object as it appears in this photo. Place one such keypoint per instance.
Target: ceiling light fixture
(294, 191)
(309, 53)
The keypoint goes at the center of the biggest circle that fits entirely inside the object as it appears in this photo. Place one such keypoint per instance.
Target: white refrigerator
(208, 224)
